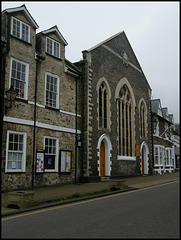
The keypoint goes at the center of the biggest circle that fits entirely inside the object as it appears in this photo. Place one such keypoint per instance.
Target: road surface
(151, 212)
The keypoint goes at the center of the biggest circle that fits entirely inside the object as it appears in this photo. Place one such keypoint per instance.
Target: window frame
(26, 77)
(168, 157)
(21, 29)
(161, 151)
(156, 127)
(56, 154)
(23, 167)
(103, 99)
(125, 123)
(54, 43)
(57, 93)
(143, 120)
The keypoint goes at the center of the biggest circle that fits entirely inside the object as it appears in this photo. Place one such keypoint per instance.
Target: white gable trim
(23, 8)
(54, 29)
(104, 41)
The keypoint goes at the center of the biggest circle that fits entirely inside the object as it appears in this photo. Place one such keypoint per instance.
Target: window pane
(51, 91)
(16, 28)
(49, 46)
(25, 32)
(15, 151)
(56, 49)
(18, 78)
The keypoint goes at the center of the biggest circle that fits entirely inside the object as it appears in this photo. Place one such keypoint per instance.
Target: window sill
(159, 165)
(59, 59)
(50, 171)
(52, 108)
(21, 100)
(126, 158)
(14, 171)
(21, 40)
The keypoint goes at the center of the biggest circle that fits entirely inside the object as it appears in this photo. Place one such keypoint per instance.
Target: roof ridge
(101, 43)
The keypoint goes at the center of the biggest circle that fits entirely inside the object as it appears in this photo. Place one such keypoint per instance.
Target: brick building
(40, 126)
(117, 125)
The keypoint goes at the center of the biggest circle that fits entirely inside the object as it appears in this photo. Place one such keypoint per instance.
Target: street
(152, 212)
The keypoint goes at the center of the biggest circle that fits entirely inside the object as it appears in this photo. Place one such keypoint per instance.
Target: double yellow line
(81, 202)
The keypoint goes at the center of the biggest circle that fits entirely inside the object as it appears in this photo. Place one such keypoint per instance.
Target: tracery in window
(125, 119)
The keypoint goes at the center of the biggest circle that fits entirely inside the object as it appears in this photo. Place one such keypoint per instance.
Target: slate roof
(154, 105)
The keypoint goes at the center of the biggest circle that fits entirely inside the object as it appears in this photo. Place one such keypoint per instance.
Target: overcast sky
(152, 29)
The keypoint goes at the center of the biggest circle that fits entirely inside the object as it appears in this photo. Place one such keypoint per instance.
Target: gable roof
(171, 118)
(165, 113)
(156, 107)
(101, 43)
(25, 11)
(57, 32)
(122, 55)
(71, 68)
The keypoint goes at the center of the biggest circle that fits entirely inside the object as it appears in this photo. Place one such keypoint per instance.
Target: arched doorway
(144, 152)
(104, 148)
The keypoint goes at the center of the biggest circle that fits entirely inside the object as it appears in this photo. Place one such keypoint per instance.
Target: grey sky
(152, 29)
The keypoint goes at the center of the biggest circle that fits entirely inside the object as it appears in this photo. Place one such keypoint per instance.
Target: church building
(116, 100)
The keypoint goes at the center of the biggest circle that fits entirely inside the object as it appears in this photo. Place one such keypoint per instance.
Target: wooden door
(102, 159)
(142, 158)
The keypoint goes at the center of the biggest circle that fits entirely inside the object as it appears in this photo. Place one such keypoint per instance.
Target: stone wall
(57, 122)
(106, 62)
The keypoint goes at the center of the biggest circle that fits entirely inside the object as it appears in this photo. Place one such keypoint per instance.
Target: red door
(102, 159)
(142, 158)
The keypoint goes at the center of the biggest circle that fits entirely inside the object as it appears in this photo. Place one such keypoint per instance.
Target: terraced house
(164, 151)
(40, 125)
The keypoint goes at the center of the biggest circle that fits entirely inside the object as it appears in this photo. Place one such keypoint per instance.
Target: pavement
(51, 196)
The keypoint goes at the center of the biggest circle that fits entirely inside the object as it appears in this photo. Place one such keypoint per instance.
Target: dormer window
(20, 29)
(52, 47)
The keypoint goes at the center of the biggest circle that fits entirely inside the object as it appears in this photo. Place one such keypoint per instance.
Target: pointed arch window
(125, 119)
(103, 106)
(143, 125)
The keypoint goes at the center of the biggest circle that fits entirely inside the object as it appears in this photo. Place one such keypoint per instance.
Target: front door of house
(102, 159)
(142, 154)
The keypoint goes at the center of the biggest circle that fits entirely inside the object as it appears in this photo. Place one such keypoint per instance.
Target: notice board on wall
(39, 162)
(65, 161)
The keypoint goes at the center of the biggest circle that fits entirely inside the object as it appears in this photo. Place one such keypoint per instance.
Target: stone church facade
(117, 127)
(70, 122)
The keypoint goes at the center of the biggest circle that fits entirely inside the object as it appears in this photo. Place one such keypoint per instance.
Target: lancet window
(125, 116)
(103, 106)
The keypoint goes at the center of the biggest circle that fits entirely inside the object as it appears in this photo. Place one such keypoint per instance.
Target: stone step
(105, 179)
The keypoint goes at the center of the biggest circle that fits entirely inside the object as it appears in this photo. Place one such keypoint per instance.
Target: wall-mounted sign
(137, 148)
(65, 161)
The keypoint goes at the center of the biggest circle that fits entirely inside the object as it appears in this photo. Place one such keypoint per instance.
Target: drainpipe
(38, 57)
(34, 128)
(82, 123)
(152, 142)
(76, 144)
